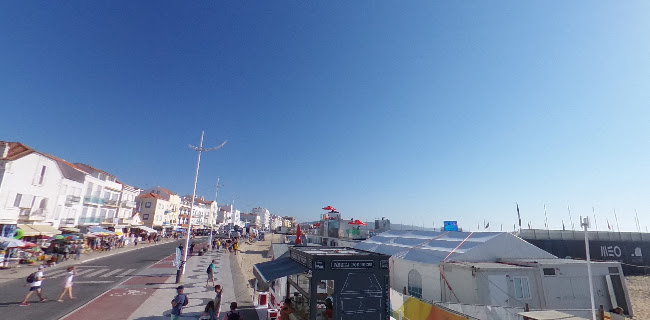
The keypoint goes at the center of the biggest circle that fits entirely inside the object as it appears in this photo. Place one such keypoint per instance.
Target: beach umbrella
(29, 244)
(357, 223)
(19, 234)
(10, 243)
(59, 237)
(71, 237)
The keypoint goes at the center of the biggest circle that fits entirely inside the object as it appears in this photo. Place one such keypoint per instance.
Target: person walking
(192, 247)
(34, 285)
(67, 284)
(217, 298)
(212, 268)
(78, 249)
(233, 314)
(179, 301)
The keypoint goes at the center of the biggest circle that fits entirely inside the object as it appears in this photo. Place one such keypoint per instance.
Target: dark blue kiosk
(331, 282)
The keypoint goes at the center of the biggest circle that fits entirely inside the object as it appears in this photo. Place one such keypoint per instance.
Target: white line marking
(92, 274)
(97, 281)
(83, 272)
(111, 273)
(126, 273)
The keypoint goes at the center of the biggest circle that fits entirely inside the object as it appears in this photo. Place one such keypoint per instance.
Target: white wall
(22, 176)
(399, 270)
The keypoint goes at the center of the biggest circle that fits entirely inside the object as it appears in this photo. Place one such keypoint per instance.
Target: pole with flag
(608, 226)
(545, 218)
(638, 226)
(563, 228)
(519, 217)
(617, 226)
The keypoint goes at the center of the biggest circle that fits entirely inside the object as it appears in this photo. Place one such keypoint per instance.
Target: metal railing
(93, 200)
(73, 199)
(88, 220)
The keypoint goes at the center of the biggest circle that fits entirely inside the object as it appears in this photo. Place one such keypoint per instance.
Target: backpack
(209, 270)
(187, 300)
(233, 316)
(31, 278)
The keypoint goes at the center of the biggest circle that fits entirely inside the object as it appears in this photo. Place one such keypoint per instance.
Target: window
(549, 271)
(522, 291)
(147, 205)
(19, 197)
(414, 284)
(42, 178)
(145, 216)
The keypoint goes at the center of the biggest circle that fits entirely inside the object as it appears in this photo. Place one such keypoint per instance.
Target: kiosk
(326, 283)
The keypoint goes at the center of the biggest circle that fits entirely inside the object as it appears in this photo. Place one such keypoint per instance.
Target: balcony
(90, 220)
(128, 204)
(67, 222)
(110, 202)
(72, 199)
(93, 200)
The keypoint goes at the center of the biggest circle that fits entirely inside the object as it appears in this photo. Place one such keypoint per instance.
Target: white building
(493, 269)
(173, 207)
(101, 197)
(127, 201)
(265, 217)
(204, 210)
(36, 188)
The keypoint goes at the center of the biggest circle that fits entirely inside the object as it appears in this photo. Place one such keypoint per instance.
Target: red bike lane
(123, 300)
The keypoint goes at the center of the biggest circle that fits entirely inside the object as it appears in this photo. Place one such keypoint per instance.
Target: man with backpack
(212, 268)
(179, 301)
(34, 280)
(233, 314)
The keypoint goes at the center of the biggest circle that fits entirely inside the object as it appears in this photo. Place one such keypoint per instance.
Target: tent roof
(432, 247)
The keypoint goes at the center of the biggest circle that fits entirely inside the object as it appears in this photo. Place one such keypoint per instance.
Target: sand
(257, 252)
(639, 289)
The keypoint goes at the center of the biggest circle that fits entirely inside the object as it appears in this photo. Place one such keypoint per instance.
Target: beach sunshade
(10, 243)
(71, 237)
(29, 244)
(59, 237)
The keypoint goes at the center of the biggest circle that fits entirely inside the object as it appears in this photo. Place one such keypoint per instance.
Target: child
(67, 284)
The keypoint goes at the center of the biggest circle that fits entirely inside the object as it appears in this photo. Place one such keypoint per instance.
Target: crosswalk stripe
(92, 274)
(111, 273)
(84, 271)
(55, 274)
(126, 273)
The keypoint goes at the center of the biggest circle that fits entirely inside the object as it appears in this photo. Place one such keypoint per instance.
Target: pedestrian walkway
(147, 295)
(23, 271)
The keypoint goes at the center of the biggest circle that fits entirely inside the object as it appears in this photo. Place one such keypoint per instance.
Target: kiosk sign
(352, 264)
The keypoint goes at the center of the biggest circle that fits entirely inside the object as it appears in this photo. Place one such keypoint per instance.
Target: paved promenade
(147, 295)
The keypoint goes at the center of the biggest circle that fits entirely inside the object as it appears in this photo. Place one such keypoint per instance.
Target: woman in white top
(67, 284)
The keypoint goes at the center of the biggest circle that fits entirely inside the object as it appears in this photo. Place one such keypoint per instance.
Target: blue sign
(451, 225)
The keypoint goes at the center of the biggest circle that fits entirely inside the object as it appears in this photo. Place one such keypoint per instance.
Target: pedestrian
(78, 249)
(218, 245)
(212, 268)
(67, 284)
(286, 310)
(192, 247)
(35, 281)
(179, 301)
(209, 312)
(217, 298)
(233, 314)
(66, 251)
(235, 246)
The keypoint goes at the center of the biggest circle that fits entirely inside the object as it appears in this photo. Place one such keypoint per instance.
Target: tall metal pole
(216, 207)
(585, 223)
(200, 149)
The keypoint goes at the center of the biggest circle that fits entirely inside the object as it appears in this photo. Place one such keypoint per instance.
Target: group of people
(212, 308)
(228, 245)
(63, 252)
(35, 282)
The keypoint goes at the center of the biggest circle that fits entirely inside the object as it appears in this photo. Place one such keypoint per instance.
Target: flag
(519, 216)
(487, 225)
(529, 225)
(608, 226)
(563, 228)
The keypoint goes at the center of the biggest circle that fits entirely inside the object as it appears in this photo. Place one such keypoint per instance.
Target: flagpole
(545, 217)
(638, 226)
(593, 210)
(569, 209)
(617, 226)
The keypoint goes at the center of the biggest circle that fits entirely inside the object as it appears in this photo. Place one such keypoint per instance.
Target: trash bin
(272, 314)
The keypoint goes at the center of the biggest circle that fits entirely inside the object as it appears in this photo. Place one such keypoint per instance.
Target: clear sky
(418, 111)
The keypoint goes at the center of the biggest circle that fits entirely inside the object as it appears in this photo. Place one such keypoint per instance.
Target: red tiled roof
(167, 191)
(149, 195)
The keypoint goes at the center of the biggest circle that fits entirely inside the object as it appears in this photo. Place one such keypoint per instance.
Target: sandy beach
(639, 289)
(255, 253)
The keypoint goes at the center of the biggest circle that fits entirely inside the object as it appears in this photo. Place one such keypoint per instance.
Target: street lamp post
(584, 222)
(200, 149)
(217, 208)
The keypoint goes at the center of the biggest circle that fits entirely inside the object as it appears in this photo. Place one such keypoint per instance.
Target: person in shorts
(212, 268)
(217, 298)
(35, 286)
(67, 284)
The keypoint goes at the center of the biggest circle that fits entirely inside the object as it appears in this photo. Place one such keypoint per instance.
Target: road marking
(83, 271)
(111, 273)
(129, 292)
(84, 266)
(97, 281)
(126, 273)
(92, 274)
(55, 274)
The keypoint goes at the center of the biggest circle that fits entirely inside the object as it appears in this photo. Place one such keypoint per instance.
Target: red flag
(298, 235)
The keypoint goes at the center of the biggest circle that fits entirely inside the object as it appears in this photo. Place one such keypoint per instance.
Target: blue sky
(418, 111)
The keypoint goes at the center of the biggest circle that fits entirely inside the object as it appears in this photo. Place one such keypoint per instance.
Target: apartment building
(101, 197)
(154, 211)
(174, 200)
(265, 217)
